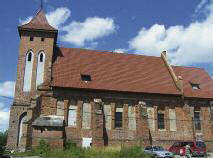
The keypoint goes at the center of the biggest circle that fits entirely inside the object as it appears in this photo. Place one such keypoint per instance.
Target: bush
(3, 142)
(69, 144)
(72, 151)
(43, 148)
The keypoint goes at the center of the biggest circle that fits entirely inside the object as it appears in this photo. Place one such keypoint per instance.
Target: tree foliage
(3, 141)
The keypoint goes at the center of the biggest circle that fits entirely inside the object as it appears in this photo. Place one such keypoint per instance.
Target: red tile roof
(39, 22)
(112, 71)
(195, 76)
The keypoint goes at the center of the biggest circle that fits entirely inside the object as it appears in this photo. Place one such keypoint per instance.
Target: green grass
(71, 151)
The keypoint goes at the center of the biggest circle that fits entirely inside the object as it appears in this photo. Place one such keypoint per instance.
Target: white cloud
(4, 117)
(58, 17)
(93, 28)
(185, 45)
(55, 18)
(120, 50)
(7, 89)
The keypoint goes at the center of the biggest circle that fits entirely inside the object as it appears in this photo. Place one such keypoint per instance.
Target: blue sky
(182, 27)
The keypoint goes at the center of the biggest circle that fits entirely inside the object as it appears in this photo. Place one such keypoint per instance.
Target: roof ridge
(188, 67)
(105, 51)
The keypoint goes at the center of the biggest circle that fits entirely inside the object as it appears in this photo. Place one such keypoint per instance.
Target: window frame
(118, 119)
(72, 108)
(197, 120)
(161, 121)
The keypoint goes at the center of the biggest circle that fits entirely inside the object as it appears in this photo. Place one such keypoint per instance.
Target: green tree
(3, 141)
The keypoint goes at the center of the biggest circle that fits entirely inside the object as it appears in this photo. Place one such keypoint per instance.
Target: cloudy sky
(182, 27)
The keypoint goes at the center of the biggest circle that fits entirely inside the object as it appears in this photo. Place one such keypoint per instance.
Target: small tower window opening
(29, 58)
(42, 39)
(41, 59)
(31, 38)
(86, 78)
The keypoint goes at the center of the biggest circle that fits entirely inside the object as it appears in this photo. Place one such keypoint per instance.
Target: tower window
(41, 59)
(86, 78)
(31, 38)
(29, 58)
(42, 39)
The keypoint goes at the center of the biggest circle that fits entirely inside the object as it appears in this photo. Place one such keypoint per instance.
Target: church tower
(37, 43)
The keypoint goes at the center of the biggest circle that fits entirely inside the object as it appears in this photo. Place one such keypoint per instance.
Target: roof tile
(39, 22)
(112, 71)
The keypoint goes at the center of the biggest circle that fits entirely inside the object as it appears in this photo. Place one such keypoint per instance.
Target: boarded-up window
(119, 118)
(86, 121)
(172, 120)
(72, 115)
(60, 108)
(131, 117)
(151, 120)
(107, 116)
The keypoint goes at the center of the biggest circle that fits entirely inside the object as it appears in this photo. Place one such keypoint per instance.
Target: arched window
(29, 57)
(40, 69)
(21, 132)
(41, 57)
(28, 71)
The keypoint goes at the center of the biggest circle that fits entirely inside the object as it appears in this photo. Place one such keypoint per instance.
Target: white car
(158, 152)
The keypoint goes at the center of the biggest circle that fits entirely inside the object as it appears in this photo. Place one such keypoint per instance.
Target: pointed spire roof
(39, 22)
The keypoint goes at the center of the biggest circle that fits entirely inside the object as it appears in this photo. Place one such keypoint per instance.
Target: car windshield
(148, 148)
(158, 148)
(182, 144)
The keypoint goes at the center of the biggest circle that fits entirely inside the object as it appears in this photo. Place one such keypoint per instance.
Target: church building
(99, 98)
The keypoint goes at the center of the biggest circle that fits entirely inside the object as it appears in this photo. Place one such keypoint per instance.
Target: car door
(175, 148)
(148, 149)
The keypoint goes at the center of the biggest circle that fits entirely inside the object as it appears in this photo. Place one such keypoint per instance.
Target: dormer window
(195, 86)
(86, 78)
